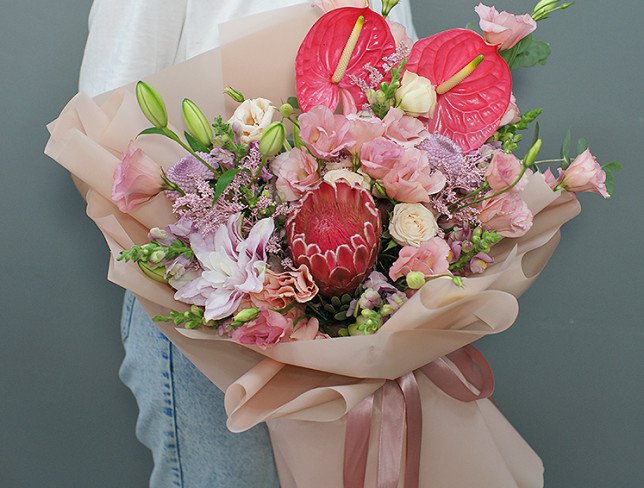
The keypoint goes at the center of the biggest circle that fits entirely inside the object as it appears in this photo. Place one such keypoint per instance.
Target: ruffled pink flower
(479, 263)
(326, 134)
(507, 214)
(379, 156)
(431, 259)
(363, 129)
(328, 5)
(400, 34)
(411, 179)
(503, 170)
(585, 174)
(405, 130)
(268, 329)
(307, 329)
(504, 29)
(512, 115)
(137, 178)
(296, 171)
(282, 289)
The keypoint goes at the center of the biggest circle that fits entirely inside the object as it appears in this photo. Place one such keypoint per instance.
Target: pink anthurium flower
(471, 111)
(336, 48)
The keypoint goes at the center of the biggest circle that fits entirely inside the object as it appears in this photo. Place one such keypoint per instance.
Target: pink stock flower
(584, 174)
(431, 259)
(267, 330)
(328, 5)
(137, 178)
(504, 29)
(379, 156)
(403, 129)
(411, 180)
(363, 129)
(503, 170)
(282, 289)
(512, 115)
(325, 133)
(507, 214)
(296, 171)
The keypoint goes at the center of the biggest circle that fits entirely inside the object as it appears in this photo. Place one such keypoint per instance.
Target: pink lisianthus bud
(137, 178)
(504, 169)
(512, 115)
(404, 129)
(507, 214)
(585, 174)
(504, 29)
(296, 171)
(268, 329)
(328, 5)
(411, 179)
(431, 259)
(325, 133)
(282, 289)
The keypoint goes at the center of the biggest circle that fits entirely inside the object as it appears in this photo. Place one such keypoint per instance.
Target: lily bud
(416, 95)
(531, 156)
(273, 139)
(286, 110)
(234, 94)
(246, 315)
(157, 274)
(152, 105)
(415, 280)
(387, 5)
(197, 123)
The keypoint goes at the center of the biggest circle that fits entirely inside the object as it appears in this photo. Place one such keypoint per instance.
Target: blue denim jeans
(182, 418)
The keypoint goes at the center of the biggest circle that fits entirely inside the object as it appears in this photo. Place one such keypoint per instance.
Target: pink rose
(507, 214)
(282, 289)
(504, 29)
(363, 129)
(325, 133)
(307, 329)
(584, 174)
(503, 170)
(405, 130)
(137, 178)
(512, 114)
(296, 171)
(328, 5)
(411, 180)
(268, 329)
(379, 156)
(431, 259)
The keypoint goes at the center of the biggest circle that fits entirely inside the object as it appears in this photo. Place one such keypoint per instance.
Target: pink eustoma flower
(403, 129)
(363, 129)
(137, 178)
(431, 259)
(411, 180)
(379, 156)
(504, 29)
(504, 169)
(507, 214)
(512, 115)
(585, 174)
(326, 134)
(267, 330)
(296, 172)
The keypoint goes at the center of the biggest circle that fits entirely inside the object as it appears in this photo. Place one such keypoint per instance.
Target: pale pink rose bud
(512, 114)
(137, 178)
(507, 214)
(504, 29)
(504, 169)
(585, 174)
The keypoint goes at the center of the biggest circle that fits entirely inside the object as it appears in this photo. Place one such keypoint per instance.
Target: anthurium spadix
(339, 46)
(473, 85)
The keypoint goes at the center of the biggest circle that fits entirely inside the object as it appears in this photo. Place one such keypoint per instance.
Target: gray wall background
(569, 372)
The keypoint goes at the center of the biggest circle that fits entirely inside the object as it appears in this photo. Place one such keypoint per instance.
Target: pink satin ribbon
(464, 375)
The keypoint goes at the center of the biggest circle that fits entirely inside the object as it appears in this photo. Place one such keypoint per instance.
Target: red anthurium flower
(340, 44)
(335, 231)
(470, 112)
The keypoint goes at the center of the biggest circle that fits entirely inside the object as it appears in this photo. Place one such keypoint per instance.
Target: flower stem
(176, 138)
(471, 194)
(261, 167)
(505, 190)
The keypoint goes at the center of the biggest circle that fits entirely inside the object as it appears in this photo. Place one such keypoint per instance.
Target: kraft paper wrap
(304, 389)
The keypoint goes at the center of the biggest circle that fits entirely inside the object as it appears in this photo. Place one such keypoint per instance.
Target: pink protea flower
(268, 329)
(282, 289)
(325, 133)
(504, 29)
(431, 259)
(296, 171)
(507, 214)
(335, 231)
(504, 169)
(137, 178)
(584, 174)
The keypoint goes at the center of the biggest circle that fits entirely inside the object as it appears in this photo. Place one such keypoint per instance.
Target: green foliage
(194, 144)
(527, 53)
(293, 102)
(544, 8)
(508, 134)
(383, 99)
(191, 319)
(155, 252)
(610, 169)
(223, 181)
(152, 130)
(225, 138)
(482, 241)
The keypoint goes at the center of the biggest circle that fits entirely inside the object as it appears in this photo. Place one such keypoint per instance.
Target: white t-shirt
(130, 39)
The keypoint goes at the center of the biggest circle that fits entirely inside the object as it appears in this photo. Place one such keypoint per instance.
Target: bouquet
(326, 251)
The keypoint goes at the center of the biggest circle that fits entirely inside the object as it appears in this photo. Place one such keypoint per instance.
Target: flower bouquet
(327, 251)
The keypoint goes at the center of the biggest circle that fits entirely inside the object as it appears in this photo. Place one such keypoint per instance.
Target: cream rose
(348, 176)
(412, 224)
(251, 118)
(416, 95)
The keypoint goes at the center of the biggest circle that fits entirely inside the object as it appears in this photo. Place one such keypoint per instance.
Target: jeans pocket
(126, 315)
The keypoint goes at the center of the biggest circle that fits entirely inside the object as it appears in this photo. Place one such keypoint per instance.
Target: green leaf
(194, 144)
(565, 149)
(614, 166)
(527, 53)
(471, 26)
(292, 101)
(610, 183)
(152, 130)
(223, 181)
(582, 145)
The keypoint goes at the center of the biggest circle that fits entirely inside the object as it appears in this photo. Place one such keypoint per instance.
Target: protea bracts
(335, 231)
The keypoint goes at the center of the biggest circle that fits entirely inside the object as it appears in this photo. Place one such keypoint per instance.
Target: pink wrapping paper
(304, 389)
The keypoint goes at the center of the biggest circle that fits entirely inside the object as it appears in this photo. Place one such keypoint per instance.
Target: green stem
(471, 194)
(549, 161)
(261, 167)
(176, 138)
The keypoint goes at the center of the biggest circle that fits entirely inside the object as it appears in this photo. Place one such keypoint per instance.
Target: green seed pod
(415, 280)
